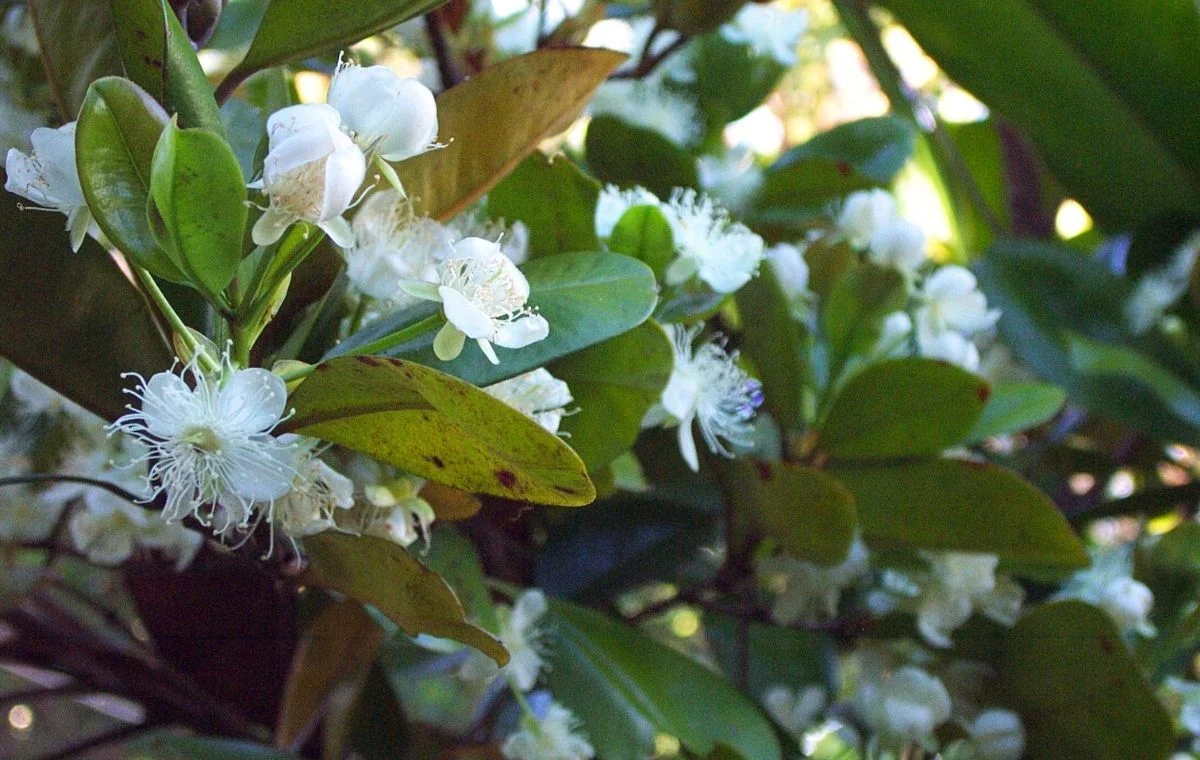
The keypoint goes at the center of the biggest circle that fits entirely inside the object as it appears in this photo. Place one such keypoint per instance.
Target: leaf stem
(207, 363)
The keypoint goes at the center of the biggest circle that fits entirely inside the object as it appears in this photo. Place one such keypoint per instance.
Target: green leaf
(1171, 568)
(860, 298)
(876, 148)
(730, 80)
(644, 233)
(1125, 72)
(119, 125)
(555, 200)
(1091, 358)
(1066, 670)
(158, 57)
(982, 150)
(807, 512)
(169, 747)
(626, 687)
(626, 155)
(775, 342)
(454, 558)
(200, 194)
(903, 408)
(290, 29)
(71, 320)
(437, 427)
(614, 384)
(1016, 407)
(961, 506)
(778, 655)
(78, 46)
(381, 573)
(586, 297)
(496, 119)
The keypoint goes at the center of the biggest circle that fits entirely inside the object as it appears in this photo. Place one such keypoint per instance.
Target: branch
(447, 67)
(648, 61)
(42, 477)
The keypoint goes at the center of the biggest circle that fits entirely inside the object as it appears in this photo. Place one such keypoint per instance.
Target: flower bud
(397, 117)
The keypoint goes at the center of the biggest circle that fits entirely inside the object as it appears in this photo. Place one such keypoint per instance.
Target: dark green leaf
(78, 46)
(644, 233)
(381, 573)
(168, 747)
(525, 100)
(961, 506)
(627, 155)
(614, 383)
(119, 125)
(730, 80)
(555, 200)
(1067, 671)
(979, 144)
(1016, 407)
(71, 320)
(775, 342)
(860, 298)
(438, 427)
(586, 297)
(876, 148)
(454, 558)
(200, 194)
(1125, 72)
(807, 512)
(903, 408)
(158, 57)
(626, 687)
(778, 655)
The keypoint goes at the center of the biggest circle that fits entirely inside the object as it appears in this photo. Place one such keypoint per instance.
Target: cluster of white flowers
(1109, 584)
(734, 177)
(318, 153)
(554, 735)
(900, 705)
(706, 387)
(806, 591)
(869, 220)
(651, 105)
(791, 271)
(396, 510)
(724, 254)
(769, 30)
(536, 394)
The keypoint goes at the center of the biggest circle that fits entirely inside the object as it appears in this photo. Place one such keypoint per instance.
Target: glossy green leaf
(962, 506)
(438, 427)
(1067, 671)
(381, 573)
(807, 512)
(625, 155)
(775, 342)
(586, 297)
(644, 233)
(555, 200)
(1091, 358)
(614, 383)
(861, 296)
(626, 688)
(200, 195)
(452, 556)
(158, 57)
(91, 324)
(693, 17)
(731, 81)
(903, 408)
(1171, 569)
(78, 46)
(778, 655)
(119, 125)
(496, 119)
(876, 148)
(1125, 72)
(171, 747)
(982, 150)
(290, 29)
(1016, 407)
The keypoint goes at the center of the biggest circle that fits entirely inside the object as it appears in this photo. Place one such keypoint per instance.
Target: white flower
(514, 238)
(520, 635)
(1108, 585)
(796, 711)
(959, 584)
(998, 735)
(49, 178)
(20, 32)
(24, 516)
(392, 244)
(807, 591)
(791, 270)
(950, 347)
(649, 105)
(904, 705)
(210, 444)
(708, 388)
(768, 30)
(35, 398)
(1159, 289)
(311, 173)
(317, 490)
(536, 394)
(734, 177)
(483, 295)
(951, 300)
(555, 737)
(723, 253)
(391, 116)
(899, 244)
(1128, 602)
(107, 528)
(400, 514)
(614, 202)
(863, 214)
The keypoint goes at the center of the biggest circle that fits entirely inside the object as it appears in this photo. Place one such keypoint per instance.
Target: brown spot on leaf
(567, 491)
(764, 470)
(437, 462)
(844, 168)
(984, 393)
(1107, 645)
(322, 367)
(506, 478)
(370, 361)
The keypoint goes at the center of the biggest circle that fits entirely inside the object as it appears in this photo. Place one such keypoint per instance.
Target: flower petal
(271, 226)
(522, 332)
(687, 445)
(465, 315)
(339, 231)
(486, 347)
(252, 401)
(263, 470)
(448, 343)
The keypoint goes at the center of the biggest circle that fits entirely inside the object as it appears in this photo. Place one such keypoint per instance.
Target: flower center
(203, 440)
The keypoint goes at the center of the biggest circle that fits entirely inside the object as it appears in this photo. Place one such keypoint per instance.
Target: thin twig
(447, 67)
(650, 61)
(53, 477)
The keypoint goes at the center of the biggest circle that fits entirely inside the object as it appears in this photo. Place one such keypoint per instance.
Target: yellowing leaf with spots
(438, 427)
